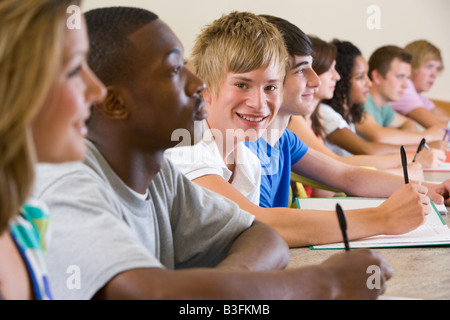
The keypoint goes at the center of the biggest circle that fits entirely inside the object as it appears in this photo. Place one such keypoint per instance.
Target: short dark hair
(382, 58)
(110, 53)
(295, 40)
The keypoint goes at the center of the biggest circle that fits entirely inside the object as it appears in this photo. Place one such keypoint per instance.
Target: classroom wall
(390, 21)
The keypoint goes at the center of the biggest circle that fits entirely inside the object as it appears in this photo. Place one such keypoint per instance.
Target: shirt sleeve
(332, 120)
(204, 223)
(298, 147)
(90, 244)
(198, 160)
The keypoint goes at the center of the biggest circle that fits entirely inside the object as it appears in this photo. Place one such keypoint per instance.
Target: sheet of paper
(444, 167)
(434, 231)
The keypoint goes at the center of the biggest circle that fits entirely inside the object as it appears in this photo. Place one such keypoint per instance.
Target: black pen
(419, 148)
(342, 225)
(404, 164)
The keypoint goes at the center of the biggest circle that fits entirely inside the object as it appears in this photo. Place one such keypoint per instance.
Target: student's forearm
(363, 182)
(397, 137)
(300, 227)
(343, 276)
(258, 248)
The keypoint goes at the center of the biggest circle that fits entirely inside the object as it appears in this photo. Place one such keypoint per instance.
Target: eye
(74, 72)
(270, 88)
(241, 85)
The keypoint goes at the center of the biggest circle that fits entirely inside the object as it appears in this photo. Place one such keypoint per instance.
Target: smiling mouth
(251, 119)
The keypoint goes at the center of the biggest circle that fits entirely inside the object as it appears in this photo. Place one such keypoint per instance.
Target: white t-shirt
(333, 121)
(204, 158)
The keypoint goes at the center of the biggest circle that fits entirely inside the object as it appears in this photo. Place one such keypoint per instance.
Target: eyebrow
(302, 63)
(245, 79)
(73, 55)
(173, 51)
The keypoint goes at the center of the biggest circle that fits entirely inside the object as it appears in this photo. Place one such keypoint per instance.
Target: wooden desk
(422, 273)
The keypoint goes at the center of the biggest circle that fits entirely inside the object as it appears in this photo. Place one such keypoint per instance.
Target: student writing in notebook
(237, 74)
(389, 70)
(45, 93)
(133, 224)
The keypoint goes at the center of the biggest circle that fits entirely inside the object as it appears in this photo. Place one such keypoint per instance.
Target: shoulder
(200, 159)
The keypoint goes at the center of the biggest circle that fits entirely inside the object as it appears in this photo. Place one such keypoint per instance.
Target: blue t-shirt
(276, 165)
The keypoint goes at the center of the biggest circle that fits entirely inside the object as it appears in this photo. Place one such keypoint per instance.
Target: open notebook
(434, 232)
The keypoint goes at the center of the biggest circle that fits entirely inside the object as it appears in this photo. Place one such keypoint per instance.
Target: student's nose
(257, 99)
(405, 83)
(95, 91)
(336, 75)
(314, 80)
(194, 85)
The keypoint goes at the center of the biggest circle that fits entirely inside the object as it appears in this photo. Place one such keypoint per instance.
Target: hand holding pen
(342, 225)
(404, 164)
(420, 147)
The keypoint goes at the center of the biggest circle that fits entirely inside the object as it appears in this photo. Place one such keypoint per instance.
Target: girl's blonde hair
(31, 43)
(239, 42)
(423, 51)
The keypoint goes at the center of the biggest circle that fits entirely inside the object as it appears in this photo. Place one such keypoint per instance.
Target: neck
(377, 97)
(133, 166)
(315, 103)
(277, 127)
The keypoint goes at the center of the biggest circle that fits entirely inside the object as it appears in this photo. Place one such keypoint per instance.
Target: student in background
(389, 70)
(133, 224)
(350, 94)
(310, 127)
(45, 93)
(205, 165)
(426, 65)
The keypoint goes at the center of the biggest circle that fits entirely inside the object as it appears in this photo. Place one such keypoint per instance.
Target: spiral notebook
(433, 232)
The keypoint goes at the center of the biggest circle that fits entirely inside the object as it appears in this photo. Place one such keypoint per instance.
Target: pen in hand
(342, 225)
(404, 164)
(419, 148)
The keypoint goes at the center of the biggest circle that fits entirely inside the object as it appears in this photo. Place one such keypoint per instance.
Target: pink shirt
(411, 100)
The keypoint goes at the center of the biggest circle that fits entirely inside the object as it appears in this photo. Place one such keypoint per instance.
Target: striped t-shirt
(28, 230)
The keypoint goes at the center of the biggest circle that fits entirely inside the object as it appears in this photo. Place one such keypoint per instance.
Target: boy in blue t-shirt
(276, 165)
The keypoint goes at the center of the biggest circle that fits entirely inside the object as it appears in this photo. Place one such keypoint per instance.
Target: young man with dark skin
(134, 225)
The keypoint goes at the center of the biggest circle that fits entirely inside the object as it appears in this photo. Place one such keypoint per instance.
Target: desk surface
(422, 272)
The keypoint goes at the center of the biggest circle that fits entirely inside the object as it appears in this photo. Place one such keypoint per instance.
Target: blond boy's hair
(423, 51)
(238, 42)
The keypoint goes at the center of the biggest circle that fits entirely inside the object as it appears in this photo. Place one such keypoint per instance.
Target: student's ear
(375, 76)
(206, 94)
(113, 106)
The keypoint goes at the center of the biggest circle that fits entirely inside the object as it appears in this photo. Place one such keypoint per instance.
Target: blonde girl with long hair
(46, 88)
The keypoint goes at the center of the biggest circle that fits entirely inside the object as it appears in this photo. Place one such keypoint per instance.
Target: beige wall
(402, 21)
